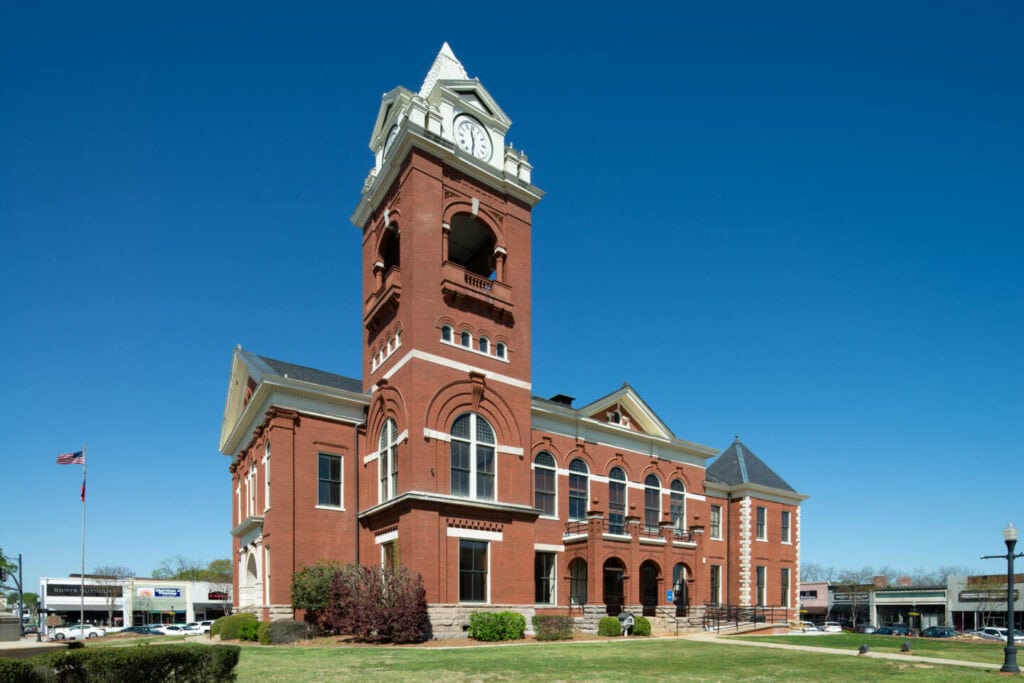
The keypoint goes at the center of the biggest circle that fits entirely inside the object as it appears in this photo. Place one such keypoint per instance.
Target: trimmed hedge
(263, 633)
(184, 663)
(553, 627)
(609, 626)
(641, 626)
(241, 626)
(17, 671)
(492, 626)
(285, 631)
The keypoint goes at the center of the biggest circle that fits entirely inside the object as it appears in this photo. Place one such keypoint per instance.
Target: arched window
(266, 475)
(677, 505)
(484, 345)
(472, 451)
(466, 339)
(578, 493)
(616, 501)
(578, 581)
(652, 502)
(500, 350)
(390, 253)
(387, 460)
(471, 245)
(544, 476)
(446, 333)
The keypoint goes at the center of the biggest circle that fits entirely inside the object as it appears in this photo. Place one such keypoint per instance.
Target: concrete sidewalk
(713, 638)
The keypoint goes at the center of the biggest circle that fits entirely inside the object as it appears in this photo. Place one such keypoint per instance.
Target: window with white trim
(762, 523)
(472, 457)
(617, 501)
(652, 502)
(716, 522)
(389, 555)
(484, 344)
(266, 476)
(784, 586)
(544, 578)
(784, 527)
(579, 477)
(716, 584)
(762, 573)
(250, 490)
(446, 333)
(329, 480)
(472, 571)
(466, 339)
(578, 582)
(544, 484)
(500, 350)
(387, 461)
(677, 505)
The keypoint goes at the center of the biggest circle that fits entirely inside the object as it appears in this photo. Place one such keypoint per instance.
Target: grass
(632, 660)
(990, 652)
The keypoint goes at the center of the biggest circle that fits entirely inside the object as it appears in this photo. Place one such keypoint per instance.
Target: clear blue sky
(798, 223)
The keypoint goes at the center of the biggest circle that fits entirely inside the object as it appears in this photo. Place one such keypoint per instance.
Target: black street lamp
(1009, 652)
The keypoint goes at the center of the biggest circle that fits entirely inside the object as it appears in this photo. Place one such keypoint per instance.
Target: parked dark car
(142, 631)
(894, 630)
(866, 628)
(938, 632)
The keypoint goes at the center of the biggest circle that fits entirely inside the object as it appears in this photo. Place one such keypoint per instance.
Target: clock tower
(445, 217)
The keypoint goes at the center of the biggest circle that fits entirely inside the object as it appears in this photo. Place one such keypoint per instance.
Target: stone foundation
(452, 621)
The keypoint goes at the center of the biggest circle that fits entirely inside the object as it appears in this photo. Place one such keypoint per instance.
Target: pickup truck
(77, 632)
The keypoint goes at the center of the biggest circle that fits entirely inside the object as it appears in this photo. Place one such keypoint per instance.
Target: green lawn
(632, 660)
(944, 648)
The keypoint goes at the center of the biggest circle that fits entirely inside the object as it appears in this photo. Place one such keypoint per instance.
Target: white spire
(446, 66)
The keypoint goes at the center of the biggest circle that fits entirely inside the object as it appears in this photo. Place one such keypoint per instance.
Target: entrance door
(614, 570)
(680, 589)
(649, 588)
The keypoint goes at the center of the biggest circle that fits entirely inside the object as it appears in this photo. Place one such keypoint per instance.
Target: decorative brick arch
(387, 402)
(473, 395)
(486, 216)
(545, 445)
(617, 461)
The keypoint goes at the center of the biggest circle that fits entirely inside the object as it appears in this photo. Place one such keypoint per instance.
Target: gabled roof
(737, 465)
(272, 367)
(644, 418)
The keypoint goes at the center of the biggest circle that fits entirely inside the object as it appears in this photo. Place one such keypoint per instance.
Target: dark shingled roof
(738, 465)
(312, 375)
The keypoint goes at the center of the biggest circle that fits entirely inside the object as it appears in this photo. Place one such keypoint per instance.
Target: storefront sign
(167, 593)
(75, 590)
(216, 595)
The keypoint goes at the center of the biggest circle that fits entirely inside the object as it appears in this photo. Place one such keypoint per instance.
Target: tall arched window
(266, 476)
(616, 501)
(652, 502)
(387, 460)
(472, 450)
(677, 505)
(544, 476)
(578, 481)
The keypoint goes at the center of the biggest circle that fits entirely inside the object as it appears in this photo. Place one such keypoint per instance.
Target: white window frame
(554, 476)
(716, 536)
(761, 587)
(677, 524)
(487, 582)
(387, 462)
(552, 578)
(786, 529)
(501, 351)
(451, 334)
(341, 481)
(473, 445)
(761, 512)
(586, 498)
(266, 476)
(251, 479)
(786, 577)
(716, 572)
(657, 489)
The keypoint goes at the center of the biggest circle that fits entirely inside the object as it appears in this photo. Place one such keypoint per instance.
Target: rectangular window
(485, 472)
(389, 555)
(784, 586)
(544, 573)
(762, 524)
(716, 522)
(472, 571)
(716, 584)
(786, 538)
(460, 468)
(250, 490)
(761, 575)
(652, 508)
(577, 496)
(329, 480)
(266, 483)
(617, 507)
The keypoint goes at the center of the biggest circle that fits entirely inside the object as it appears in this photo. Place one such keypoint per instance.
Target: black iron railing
(718, 616)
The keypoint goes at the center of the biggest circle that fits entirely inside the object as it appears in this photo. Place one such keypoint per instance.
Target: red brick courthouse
(440, 458)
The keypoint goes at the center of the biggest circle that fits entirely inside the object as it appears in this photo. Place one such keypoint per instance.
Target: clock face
(392, 134)
(473, 137)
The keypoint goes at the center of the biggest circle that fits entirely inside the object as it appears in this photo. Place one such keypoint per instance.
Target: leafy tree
(218, 571)
(179, 567)
(386, 604)
(31, 600)
(311, 589)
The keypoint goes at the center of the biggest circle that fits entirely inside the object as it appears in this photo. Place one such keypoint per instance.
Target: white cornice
(444, 499)
(713, 488)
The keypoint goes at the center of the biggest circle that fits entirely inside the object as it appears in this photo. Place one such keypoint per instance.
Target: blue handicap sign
(670, 595)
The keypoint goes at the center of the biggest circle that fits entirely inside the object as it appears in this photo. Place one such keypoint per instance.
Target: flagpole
(81, 614)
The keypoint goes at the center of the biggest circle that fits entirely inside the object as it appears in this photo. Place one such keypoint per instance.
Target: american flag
(77, 458)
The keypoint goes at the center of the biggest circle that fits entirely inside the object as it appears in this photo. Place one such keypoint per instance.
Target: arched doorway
(251, 591)
(614, 594)
(649, 572)
(680, 590)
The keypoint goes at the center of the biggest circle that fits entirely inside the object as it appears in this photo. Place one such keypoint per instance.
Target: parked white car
(808, 626)
(833, 627)
(997, 633)
(77, 632)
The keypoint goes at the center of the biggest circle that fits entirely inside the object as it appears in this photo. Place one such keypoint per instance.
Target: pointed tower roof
(446, 67)
(738, 465)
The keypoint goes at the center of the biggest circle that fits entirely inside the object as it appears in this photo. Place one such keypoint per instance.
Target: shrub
(553, 627)
(263, 633)
(642, 626)
(370, 602)
(249, 630)
(186, 663)
(311, 589)
(17, 671)
(285, 631)
(609, 626)
(230, 627)
(491, 626)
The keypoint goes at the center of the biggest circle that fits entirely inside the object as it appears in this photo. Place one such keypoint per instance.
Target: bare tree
(811, 571)
(180, 567)
(111, 582)
(854, 585)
